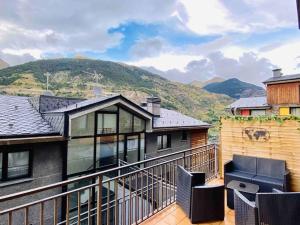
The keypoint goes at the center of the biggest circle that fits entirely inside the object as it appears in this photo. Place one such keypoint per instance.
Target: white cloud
(73, 26)
(286, 56)
(165, 61)
(210, 17)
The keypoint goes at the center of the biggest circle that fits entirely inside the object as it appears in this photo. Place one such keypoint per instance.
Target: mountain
(3, 64)
(204, 83)
(75, 78)
(235, 88)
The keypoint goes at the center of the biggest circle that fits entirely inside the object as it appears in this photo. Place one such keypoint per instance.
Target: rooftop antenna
(47, 75)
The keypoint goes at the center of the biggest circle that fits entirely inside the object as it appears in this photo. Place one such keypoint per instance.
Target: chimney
(277, 73)
(153, 105)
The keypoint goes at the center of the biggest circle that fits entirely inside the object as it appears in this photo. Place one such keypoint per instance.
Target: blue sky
(183, 40)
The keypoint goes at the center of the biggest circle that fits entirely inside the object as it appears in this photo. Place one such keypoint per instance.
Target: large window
(14, 165)
(80, 155)
(83, 125)
(94, 140)
(163, 141)
(138, 124)
(125, 122)
(106, 151)
(130, 123)
(107, 123)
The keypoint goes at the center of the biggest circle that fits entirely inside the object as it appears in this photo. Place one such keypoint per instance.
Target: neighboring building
(47, 139)
(283, 98)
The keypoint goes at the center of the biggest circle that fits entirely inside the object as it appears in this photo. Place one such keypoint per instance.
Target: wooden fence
(268, 139)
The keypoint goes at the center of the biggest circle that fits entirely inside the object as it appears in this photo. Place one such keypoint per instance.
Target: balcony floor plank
(174, 215)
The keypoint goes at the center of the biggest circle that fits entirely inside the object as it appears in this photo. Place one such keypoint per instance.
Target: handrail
(94, 175)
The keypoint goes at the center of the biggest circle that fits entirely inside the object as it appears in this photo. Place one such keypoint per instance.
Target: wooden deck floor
(174, 215)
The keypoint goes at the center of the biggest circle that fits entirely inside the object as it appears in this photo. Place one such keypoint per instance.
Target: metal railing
(125, 195)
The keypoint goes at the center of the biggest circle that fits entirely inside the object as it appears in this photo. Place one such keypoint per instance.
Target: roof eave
(156, 129)
(31, 140)
(281, 81)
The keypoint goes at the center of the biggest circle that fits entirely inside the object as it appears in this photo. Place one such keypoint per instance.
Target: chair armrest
(228, 166)
(238, 196)
(246, 212)
(198, 178)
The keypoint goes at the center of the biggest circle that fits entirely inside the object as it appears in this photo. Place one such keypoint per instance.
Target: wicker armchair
(277, 208)
(200, 202)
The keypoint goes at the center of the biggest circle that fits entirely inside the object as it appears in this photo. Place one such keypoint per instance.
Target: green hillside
(68, 78)
(235, 88)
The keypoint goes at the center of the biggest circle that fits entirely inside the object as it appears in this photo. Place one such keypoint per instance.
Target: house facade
(48, 139)
(282, 98)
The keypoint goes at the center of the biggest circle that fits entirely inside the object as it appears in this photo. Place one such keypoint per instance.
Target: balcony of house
(128, 194)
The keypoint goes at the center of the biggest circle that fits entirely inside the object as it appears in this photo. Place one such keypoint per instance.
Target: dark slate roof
(83, 104)
(95, 102)
(19, 118)
(251, 102)
(170, 118)
(283, 78)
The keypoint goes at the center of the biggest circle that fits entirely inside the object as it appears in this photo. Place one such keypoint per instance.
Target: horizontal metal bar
(90, 176)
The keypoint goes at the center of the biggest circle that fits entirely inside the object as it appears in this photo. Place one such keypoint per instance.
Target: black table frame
(249, 190)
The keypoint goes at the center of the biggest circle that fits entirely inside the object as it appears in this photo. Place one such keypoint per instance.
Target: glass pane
(112, 108)
(258, 112)
(106, 151)
(121, 147)
(18, 164)
(139, 124)
(132, 148)
(110, 123)
(1, 165)
(165, 141)
(142, 146)
(159, 141)
(125, 122)
(107, 123)
(80, 155)
(83, 125)
(295, 111)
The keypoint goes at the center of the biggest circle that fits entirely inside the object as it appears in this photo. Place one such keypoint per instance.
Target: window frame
(169, 141)
(184, 134)
(4, 177)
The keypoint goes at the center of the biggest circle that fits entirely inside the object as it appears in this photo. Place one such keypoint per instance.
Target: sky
(182, 40)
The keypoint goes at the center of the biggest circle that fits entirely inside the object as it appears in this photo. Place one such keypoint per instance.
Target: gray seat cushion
(239, 175)
(266, 184)
(269, 180)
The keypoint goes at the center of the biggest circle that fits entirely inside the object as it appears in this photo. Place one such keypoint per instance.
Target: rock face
(3, 64)
(235, 88)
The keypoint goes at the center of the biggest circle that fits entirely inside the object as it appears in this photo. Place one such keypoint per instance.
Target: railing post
(216, 160)
(99, 200)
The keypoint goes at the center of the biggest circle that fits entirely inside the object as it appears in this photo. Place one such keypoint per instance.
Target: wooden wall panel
(282, 142)
(198, 138)
(287, 93)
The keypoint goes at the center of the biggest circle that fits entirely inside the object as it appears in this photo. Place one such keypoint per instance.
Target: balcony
(174, 215)
(128, 194)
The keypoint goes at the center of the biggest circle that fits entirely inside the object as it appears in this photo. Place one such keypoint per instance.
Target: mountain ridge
(68, 78)
(235, 88)
(3, 64)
